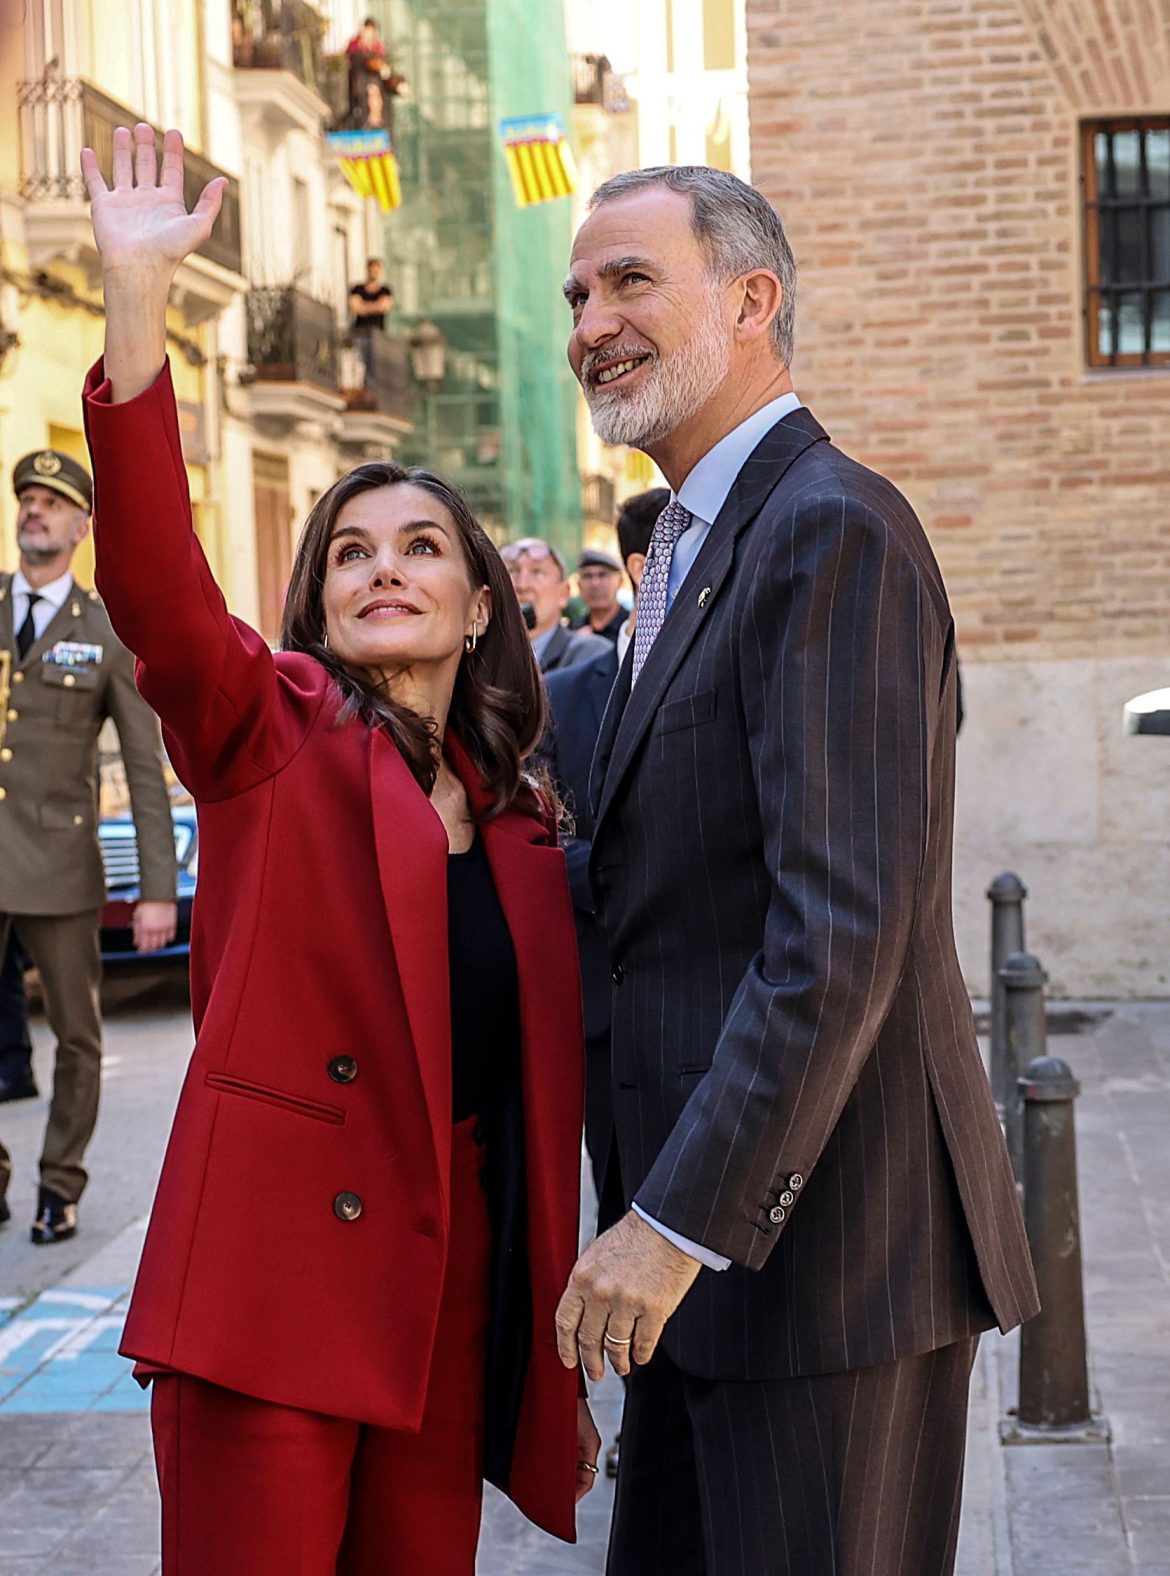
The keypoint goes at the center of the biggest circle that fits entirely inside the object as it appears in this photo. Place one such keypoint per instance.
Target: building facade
(978, 195)
(272, 403)
(64, 83)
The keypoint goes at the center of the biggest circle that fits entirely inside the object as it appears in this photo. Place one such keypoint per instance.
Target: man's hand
(154, 925)
(622, 1290)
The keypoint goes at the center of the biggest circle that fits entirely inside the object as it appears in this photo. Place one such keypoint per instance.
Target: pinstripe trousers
(849, 1474)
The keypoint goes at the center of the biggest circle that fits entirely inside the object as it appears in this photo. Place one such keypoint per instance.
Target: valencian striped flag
(368, 163)
(540, 160)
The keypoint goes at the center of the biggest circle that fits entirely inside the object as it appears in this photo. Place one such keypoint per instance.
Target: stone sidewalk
(77, 1495)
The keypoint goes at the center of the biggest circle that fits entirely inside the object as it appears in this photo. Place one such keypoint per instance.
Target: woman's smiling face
(398, 594)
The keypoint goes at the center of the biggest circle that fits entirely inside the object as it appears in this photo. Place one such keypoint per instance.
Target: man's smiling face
(651, 336)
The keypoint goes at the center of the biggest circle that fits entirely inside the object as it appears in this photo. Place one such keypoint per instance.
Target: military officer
(65, 672)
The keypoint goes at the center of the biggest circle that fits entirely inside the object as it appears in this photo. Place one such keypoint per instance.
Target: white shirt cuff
(712, 1261)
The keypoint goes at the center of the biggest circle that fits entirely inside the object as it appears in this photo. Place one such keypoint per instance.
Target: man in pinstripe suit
(822, 1216)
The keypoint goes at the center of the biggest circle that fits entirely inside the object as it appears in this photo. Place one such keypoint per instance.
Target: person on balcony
(369, 302)
(373, 82)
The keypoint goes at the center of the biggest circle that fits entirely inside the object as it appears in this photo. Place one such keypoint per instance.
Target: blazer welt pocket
(688, 711)
(225, 1083)
(86, 676)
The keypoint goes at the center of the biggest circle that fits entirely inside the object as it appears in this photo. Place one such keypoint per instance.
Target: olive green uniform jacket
(50, 861)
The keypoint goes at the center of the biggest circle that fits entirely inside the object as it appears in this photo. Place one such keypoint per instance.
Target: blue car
(119, 846)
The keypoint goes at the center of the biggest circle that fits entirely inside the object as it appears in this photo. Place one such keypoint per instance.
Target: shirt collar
(625, 636)
(54, 593)
(705, 490)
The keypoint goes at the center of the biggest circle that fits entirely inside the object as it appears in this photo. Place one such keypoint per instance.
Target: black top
(485, 999)
(372, 294)
(610, 631)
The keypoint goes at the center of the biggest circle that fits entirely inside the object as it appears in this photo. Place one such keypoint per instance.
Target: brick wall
(924, 156)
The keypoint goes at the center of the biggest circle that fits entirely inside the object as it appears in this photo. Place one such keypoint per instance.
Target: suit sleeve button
(5, 754)
(787, 1198)
(776, 1214)
(796, 1181)
(343, 1069)
(347, 1206)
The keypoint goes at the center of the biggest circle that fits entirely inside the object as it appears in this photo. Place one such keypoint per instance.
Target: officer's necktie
(652, 593)
(27, 632)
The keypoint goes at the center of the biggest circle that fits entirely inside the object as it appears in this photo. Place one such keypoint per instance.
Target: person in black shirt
(369, 302)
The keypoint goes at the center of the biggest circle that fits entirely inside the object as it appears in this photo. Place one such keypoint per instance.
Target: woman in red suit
(368, 1207)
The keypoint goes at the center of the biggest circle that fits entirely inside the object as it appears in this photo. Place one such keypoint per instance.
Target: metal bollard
(1025, 1038)
(1054, 1379)
(1006, 894)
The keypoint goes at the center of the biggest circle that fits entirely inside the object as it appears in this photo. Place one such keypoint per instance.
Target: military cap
(595, 558)
(50, 468)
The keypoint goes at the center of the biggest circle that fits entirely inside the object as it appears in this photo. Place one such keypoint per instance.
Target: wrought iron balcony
(62, 115)
(292, 338)
(595, 82)
(281, 35)
(389, 392)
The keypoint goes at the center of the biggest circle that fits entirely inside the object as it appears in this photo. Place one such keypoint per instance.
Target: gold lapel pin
(703, 595)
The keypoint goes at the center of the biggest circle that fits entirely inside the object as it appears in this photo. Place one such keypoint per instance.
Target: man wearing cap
(65, 672)
(538, 576)
(599, 577)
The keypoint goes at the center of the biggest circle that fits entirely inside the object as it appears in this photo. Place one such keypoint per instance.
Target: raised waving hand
(143, 232)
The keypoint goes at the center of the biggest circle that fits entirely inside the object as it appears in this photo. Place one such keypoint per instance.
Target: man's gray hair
(737, 228)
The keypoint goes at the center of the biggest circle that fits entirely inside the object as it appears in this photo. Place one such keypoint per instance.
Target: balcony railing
(291, 338)
(62, 115)
(281, 35)
(595, 82)
(597, 498)
(389, 393)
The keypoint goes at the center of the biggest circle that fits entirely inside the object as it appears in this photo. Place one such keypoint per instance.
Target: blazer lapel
(632, 710)
(7, 633)
(553, 652)
(411, 844)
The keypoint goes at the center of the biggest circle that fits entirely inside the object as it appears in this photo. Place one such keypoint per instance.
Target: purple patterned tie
(668, 527)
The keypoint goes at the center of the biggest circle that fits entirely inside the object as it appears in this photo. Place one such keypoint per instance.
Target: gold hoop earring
(471, 641)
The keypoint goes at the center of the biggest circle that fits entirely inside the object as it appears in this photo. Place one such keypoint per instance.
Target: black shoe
(56, 1218)
(5, 1212)
(612, 1457)
(22, 1088)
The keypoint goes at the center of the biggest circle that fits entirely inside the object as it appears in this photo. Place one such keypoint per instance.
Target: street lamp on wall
(428, 354)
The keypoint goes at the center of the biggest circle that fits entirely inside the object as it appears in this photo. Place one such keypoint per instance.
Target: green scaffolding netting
(461, 252)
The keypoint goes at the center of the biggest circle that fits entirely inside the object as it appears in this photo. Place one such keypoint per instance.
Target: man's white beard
(35, 551)
(672, 390)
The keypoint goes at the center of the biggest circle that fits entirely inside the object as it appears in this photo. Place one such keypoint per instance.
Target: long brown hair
(498, 705)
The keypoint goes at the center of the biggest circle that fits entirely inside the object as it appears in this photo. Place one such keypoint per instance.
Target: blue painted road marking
(59, 1353)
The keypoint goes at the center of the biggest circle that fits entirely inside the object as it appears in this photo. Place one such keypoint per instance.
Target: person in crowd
(822, 1214)
(346, 1294)
(599, 578)
(540, 583)
(68, 672)
(17, 1081)
(373, 82)
(577, 699)
(369, 301)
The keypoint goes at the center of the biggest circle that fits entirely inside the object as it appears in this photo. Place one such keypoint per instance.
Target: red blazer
(320, 931)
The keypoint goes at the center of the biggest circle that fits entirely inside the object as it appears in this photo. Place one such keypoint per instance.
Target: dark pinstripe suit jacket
(797, 1082)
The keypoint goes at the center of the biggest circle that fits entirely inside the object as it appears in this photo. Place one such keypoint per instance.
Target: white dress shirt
(52, 600)
(705, 490)
(703, 494)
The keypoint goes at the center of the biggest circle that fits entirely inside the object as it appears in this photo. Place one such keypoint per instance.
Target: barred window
(1126, 178)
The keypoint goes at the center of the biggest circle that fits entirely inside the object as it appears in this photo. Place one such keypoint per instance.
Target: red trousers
(253, 1489)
